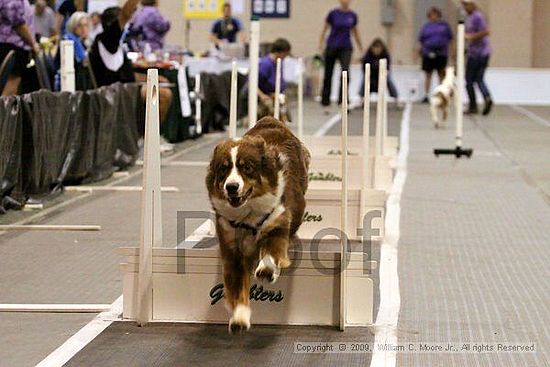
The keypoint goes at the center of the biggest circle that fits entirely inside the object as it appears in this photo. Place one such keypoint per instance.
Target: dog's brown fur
(258, 225)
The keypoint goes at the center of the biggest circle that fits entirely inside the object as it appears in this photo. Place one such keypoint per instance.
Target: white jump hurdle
(185, 284)
(253, 74)
(233, 103)
(67, 71)
(198, 104)
(367, 183)
(277, 99)
(300, 117)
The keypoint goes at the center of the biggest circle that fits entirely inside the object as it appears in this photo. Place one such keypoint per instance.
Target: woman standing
(434, 39)
(342, 22)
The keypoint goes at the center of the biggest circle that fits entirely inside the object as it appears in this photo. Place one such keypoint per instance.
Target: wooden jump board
(330, 145)
(188, 287)
(323, 209)
(329, 168)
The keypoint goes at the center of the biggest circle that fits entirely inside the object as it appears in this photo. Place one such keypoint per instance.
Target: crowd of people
(98, 46)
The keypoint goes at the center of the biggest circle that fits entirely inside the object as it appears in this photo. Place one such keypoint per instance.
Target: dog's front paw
(240, 321)
(267, 269)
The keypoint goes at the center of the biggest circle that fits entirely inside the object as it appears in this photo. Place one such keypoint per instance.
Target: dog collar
(253, 229)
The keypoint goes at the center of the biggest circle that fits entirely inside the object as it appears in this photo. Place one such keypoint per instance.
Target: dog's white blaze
(234, 176)
(268, 262)
(241, 315)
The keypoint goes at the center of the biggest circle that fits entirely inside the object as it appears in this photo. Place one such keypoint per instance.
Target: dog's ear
(212, 169)
(271, 164)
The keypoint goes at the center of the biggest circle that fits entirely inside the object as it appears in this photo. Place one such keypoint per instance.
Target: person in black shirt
(376, 52)
(227, 28)
(109, 61)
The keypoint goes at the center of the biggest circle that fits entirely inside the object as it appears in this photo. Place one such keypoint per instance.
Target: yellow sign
(202, 9)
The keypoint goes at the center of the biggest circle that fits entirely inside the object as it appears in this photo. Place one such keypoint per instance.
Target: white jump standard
(458, 152)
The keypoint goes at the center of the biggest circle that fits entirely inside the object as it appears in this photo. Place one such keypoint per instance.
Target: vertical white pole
(233, 103)
(300, 98)
(459, 84)
(385, 111)
(344, 204)
(198, 104)
(151, 211)
(67, 66)
(380, 108)
(366, 153)
(277, 107)
(253, 74)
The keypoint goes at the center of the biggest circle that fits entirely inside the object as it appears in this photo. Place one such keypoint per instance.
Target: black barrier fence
(50, 139)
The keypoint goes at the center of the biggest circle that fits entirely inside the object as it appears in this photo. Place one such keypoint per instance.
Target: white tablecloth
(215, 65)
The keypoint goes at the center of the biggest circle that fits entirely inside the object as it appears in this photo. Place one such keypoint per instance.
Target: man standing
(479, 52)
(227, 28)
(43, 19)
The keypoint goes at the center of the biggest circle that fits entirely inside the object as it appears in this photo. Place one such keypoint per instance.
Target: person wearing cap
(479, 53)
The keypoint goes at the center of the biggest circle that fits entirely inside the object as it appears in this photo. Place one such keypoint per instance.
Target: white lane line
(54, 308)
(533, 116)
(89, 332)
(75, 343)
(390, 299)
(323, 130)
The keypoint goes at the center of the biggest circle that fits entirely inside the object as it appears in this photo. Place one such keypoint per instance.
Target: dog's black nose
(232, 188)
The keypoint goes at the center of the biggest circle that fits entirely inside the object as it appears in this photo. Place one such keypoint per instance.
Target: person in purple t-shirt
(434, 39)
(342, 22)
(479, 52)
(16, 34)
(151, 25)
(267, 75)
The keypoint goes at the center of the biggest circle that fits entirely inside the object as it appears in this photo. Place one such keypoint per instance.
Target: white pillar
(253, 73)
(277, 107)
(198, 104)
(233, 102)
(344, 204)
(366, 154)
(380, 107)
(300, 98)
(67, 72)
(459, 84)
(151, 210)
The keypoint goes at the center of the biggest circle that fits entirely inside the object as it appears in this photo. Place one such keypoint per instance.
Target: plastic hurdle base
(458, 152)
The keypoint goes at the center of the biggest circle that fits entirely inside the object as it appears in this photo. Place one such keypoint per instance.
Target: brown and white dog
(442, 97)
(256, 185)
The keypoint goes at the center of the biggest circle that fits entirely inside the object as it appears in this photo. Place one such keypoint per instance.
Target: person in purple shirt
(342, 22)
(434, 39)
(268, 73)
(16, 34)
(151, 25)
(479, 52)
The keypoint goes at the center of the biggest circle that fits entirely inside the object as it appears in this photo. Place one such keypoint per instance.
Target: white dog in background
(441, 98)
